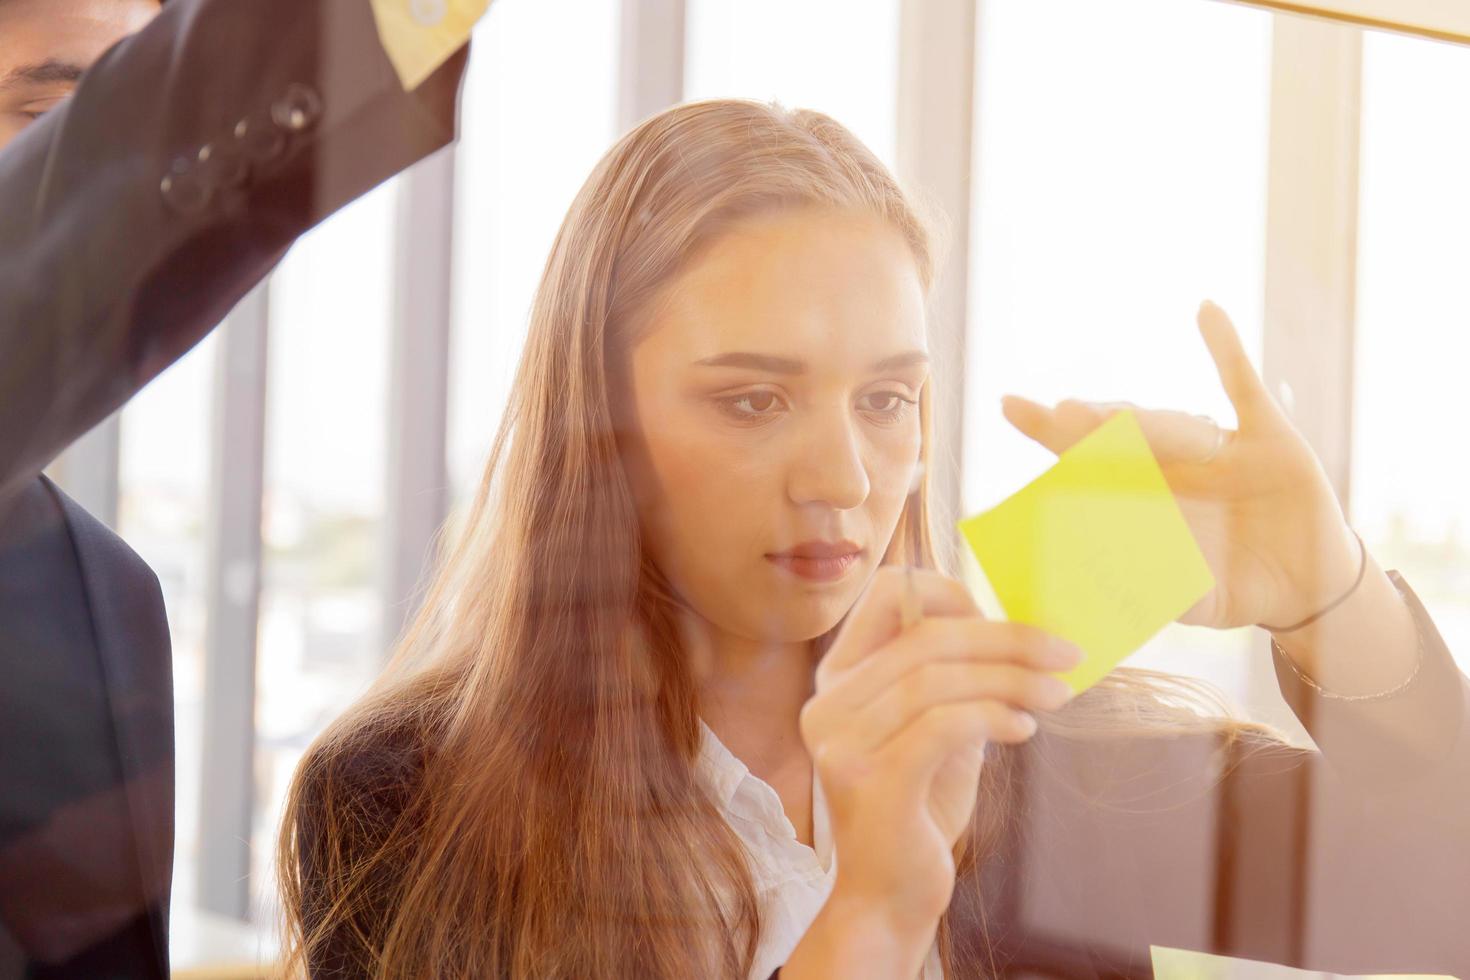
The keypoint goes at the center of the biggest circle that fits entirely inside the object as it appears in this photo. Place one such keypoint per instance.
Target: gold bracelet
(1396, 689)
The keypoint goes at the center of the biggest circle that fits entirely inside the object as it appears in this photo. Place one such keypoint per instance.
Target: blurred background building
(1104, 166)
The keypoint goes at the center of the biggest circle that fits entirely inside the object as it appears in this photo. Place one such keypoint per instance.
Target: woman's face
(775, 393)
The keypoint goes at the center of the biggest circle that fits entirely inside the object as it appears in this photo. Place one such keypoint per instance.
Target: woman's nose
(828, 466)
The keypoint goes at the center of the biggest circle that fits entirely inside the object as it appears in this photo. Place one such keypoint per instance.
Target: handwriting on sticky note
(1094, 550)
(1183, 964)
(420, 35)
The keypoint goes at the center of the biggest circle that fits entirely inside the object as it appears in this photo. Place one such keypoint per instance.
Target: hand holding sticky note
(1095, 550)
(420, 35)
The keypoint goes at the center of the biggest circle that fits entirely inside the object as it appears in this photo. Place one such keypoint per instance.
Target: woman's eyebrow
(761, 362)
(786, 365)
(907, 359)
(43, 73)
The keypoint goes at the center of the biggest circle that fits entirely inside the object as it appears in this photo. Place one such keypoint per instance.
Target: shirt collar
(722, 772)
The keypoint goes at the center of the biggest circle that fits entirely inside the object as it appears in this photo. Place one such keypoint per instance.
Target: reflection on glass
(592, 734)
(1106, 207)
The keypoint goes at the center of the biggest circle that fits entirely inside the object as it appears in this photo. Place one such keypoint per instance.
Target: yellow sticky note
(420, 35)
(1094, 550)
(1183, 964)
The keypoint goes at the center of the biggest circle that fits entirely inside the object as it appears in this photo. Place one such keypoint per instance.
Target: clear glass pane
(837, 56)
(1410, 495)
(1120, 179)
(163, 485)
(326, 427)
(521, 161)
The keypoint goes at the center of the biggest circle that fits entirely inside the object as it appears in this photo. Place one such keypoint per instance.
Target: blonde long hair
(517, 796)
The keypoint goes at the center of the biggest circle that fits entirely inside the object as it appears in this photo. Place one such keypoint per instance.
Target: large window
(538, 111)
(320, 639)
(322, 517)
(1120, 178)
(1410, 494)
(838, 57)
(163, 486)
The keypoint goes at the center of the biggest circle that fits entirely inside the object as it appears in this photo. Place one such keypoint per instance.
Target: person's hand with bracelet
(1264, 513)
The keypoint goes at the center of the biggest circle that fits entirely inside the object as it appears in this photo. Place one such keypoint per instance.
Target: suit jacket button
(259, 142)
(298, 109)
(221, 167)
(183, 190)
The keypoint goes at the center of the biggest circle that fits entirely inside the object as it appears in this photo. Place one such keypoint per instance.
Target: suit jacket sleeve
(135, 215)
(1352, 858)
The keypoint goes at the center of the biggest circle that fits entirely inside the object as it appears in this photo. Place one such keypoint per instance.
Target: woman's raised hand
(1262, 508)
(897, 731)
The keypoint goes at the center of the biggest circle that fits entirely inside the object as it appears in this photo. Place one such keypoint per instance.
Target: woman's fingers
(1247, 392)
(876, 617)
(1028, 416)
(941, 661)
(966, 639)
(915, 753)
(1061, 427)
(940, 683)
(1173, 437)
(905, 762)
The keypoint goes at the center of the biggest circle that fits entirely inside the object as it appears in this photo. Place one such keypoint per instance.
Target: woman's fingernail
(1058, 691)
(1067, 655)
(1028, 724)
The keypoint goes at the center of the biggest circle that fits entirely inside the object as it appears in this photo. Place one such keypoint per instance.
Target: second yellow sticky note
(1183, 964)
(1094, 550)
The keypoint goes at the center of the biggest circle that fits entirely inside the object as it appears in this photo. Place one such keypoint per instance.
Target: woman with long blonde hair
(661, 715)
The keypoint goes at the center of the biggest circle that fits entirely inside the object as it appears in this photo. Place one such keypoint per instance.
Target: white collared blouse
(791, 880)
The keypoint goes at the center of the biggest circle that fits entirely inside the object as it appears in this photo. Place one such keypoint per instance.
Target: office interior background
(1103, 167)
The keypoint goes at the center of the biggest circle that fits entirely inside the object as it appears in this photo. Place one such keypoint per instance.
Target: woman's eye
(751, 405)
(888, 405)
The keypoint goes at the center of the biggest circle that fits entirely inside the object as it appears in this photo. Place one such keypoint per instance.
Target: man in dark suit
(134, 213)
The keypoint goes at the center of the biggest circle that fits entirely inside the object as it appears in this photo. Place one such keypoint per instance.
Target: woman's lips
(816, 569)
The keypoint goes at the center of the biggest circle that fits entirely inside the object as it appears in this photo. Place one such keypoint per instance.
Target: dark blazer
(86, 747)
(132, 218)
